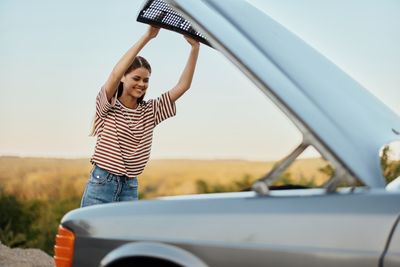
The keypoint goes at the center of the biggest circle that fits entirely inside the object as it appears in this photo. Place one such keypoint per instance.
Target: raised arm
(123, 64)
(187, 75)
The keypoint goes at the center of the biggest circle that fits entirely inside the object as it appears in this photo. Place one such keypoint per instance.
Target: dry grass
(59, 178)
(174, 177)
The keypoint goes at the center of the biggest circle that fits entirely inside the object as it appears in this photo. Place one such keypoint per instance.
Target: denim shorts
(104, 187)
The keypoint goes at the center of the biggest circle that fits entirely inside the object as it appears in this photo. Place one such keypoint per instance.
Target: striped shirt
(124, 135)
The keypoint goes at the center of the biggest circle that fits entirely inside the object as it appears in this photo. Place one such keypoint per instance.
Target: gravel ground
(18, 257)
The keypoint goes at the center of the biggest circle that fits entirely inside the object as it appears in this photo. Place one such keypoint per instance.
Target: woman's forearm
(186, 77)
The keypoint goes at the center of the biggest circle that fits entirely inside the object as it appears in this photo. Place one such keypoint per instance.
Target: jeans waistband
(114, 176)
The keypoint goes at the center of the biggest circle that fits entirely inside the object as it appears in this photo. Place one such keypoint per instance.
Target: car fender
(391, 255)
(153, 250)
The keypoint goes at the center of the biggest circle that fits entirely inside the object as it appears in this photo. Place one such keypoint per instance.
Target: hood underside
(336, 115)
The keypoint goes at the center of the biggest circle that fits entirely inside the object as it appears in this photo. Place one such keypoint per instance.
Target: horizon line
(156, 158)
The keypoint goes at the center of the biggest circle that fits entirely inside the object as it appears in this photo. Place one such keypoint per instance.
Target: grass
(49, 178)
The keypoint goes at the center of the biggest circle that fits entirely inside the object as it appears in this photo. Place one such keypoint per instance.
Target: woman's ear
(123, 79)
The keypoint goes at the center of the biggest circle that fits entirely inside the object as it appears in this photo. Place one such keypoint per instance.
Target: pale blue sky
(55, 55)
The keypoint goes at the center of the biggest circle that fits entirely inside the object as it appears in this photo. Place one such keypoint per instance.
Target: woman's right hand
(152, 32)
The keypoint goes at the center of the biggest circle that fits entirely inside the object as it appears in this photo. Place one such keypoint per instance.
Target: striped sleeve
(164, 108)
(102, 104)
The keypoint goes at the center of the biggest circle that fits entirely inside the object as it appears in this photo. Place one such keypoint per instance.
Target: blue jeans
(104, 187)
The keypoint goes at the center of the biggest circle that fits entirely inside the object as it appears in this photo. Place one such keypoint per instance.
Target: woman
(124, 124)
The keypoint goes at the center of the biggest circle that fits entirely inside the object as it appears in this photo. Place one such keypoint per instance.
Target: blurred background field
(54, 179)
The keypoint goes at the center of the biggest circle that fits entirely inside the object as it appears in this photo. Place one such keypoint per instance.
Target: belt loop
(109, 176)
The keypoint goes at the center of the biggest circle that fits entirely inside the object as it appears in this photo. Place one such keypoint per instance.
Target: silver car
(356, 225)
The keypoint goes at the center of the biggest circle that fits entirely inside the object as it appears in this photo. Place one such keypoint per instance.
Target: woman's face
(136, 82)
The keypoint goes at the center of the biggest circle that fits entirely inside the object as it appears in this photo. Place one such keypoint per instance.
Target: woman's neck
(128, 101)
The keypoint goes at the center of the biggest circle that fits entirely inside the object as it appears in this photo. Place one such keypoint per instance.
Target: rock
(18, 257)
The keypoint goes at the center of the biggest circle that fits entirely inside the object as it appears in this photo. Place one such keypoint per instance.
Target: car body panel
(341, 119)
(328, 229)
(392, 255)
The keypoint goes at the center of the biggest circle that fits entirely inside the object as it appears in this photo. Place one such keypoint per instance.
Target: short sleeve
(102, 104)
(164, 108)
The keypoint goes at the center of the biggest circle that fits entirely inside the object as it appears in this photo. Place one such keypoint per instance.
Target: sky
(55, 55)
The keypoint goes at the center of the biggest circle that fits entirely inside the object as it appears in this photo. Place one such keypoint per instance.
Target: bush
(32, 223)
(16, 221)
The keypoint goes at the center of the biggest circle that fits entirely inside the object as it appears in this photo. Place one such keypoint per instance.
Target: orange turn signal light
(64, 247)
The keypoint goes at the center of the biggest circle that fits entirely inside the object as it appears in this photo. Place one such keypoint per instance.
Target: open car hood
(336, 115)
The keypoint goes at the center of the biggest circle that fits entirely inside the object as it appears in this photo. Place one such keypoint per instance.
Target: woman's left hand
(152, 32)
(192, 41)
